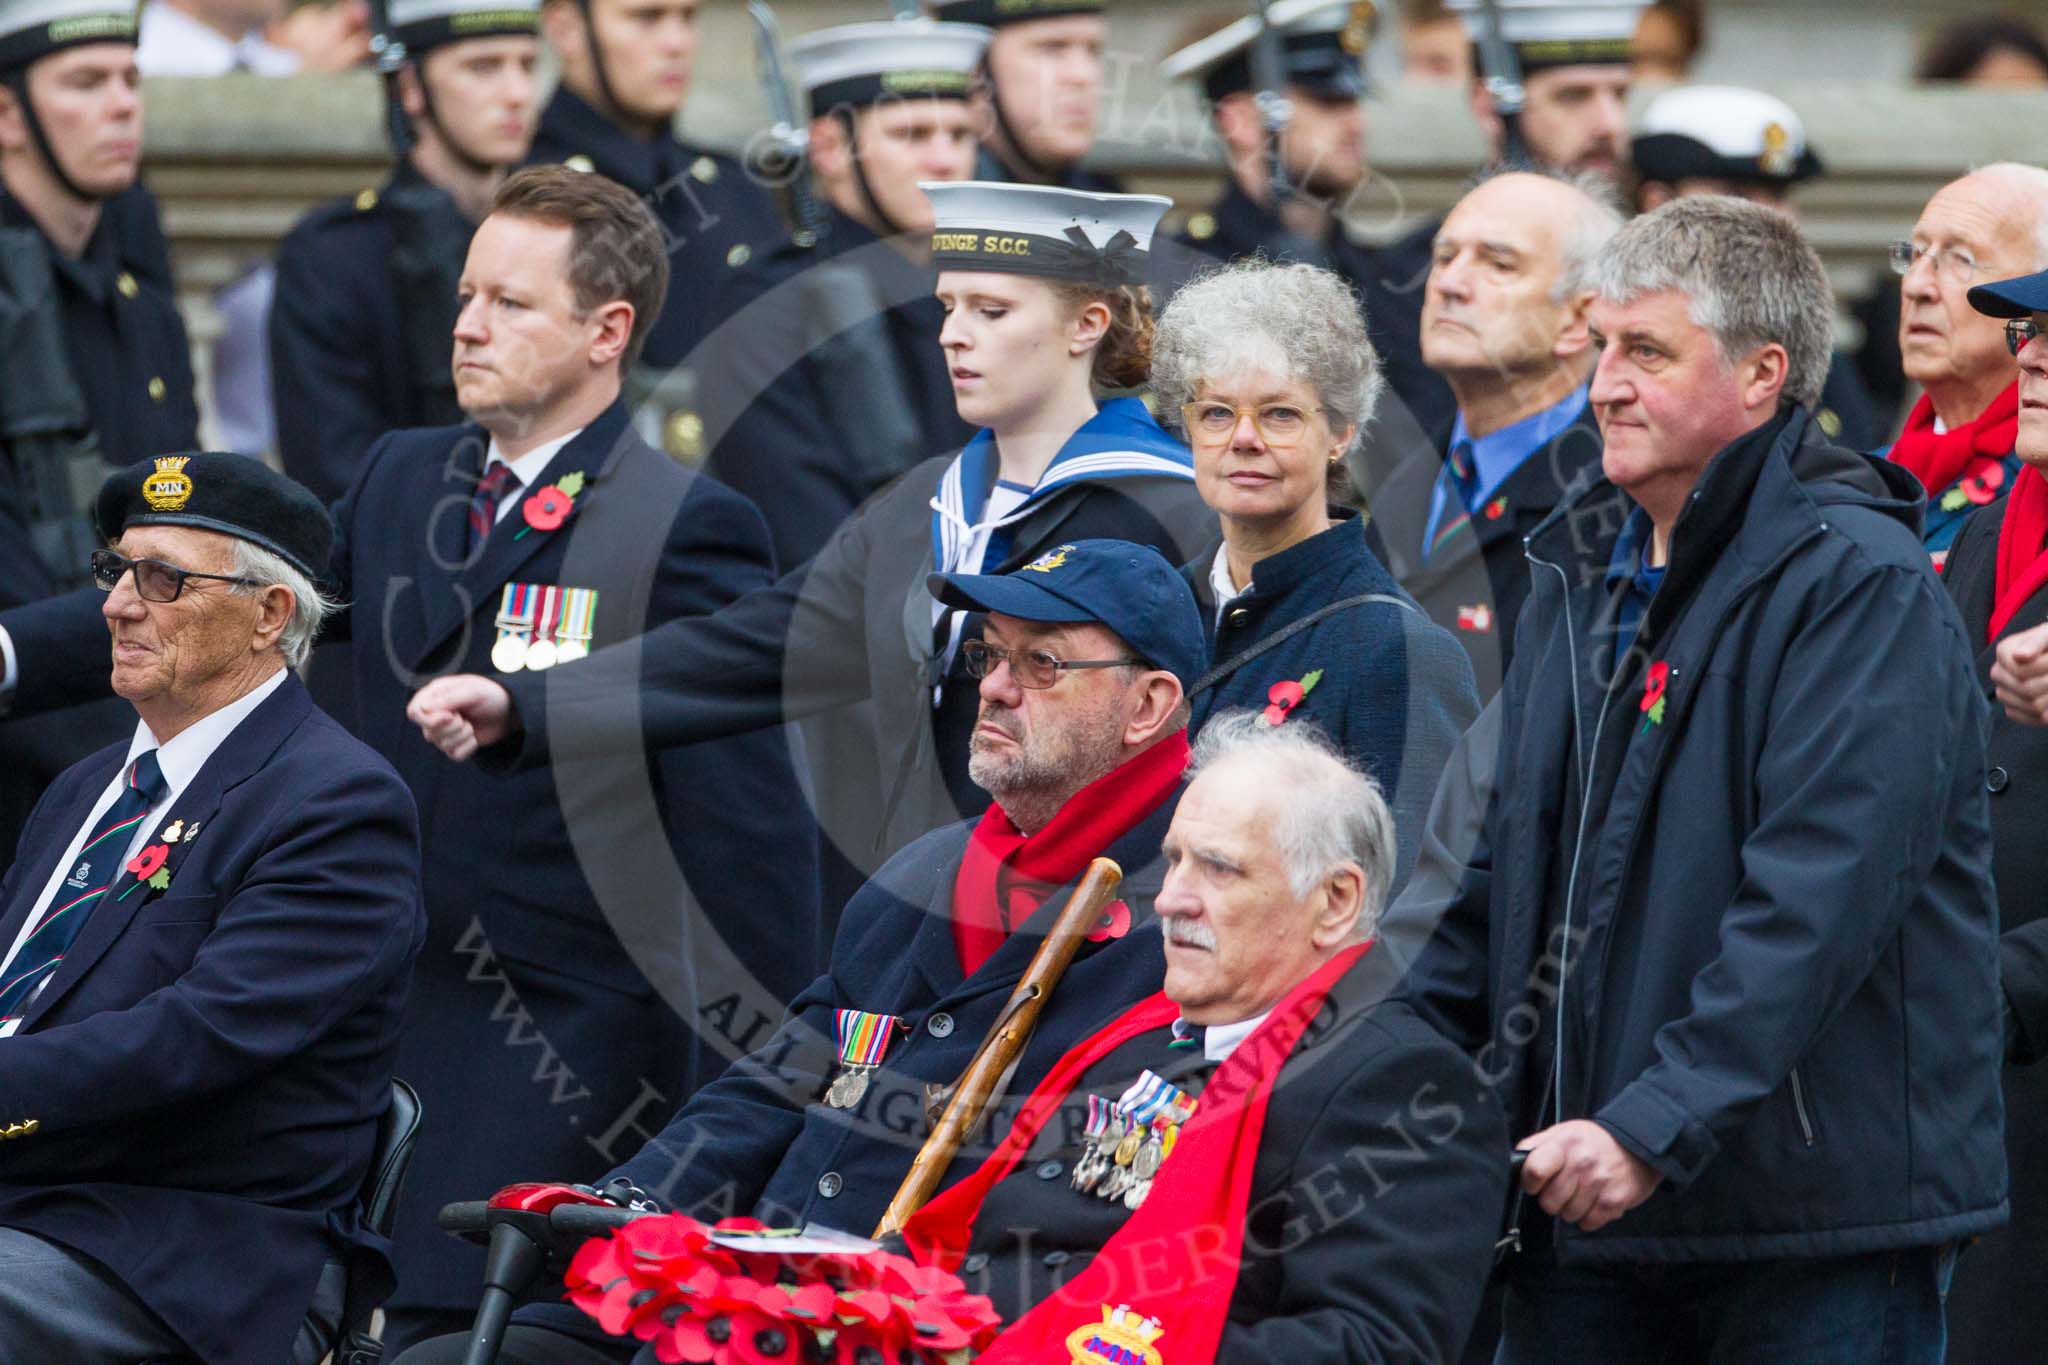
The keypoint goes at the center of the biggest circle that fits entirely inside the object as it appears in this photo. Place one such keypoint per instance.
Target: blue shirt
(1630, 563)
(1497, 455)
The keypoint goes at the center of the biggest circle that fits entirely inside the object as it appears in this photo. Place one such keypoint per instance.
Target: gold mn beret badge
(168, 487)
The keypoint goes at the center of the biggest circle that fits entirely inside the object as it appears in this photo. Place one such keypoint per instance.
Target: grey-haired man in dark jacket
(1707, 892)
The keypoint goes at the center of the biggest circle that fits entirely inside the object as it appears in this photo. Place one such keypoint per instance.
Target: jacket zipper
(1799, 1108)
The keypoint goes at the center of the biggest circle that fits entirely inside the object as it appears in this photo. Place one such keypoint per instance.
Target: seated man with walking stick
(1084, 662)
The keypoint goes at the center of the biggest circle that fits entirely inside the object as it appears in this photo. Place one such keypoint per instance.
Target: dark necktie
(98, 865)
(483, 505)
(1457, 509)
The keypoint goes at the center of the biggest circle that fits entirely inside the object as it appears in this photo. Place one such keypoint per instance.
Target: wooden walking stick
(1005, 1042)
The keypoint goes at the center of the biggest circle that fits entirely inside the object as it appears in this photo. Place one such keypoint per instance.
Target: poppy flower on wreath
(1284, 697)
(147, 863)
(548, 508)
(1115, 923)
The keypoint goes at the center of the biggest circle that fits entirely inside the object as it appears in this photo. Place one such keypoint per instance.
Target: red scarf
(2022, 548)
(1006, 875)
(1939, 459)
(1176, 1259)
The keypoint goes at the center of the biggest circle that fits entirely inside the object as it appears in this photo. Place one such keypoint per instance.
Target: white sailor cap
(1322, 44)
(861, 64)
(997, 13)
(1547, 33)
(1723, 132)
(423, 24)
(35, 28)
(1040, 230)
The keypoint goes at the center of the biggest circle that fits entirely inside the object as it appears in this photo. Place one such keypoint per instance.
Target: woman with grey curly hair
(1270, 373)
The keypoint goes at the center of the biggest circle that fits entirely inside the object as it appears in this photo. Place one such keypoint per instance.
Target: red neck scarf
(2022, 548)
(1006, 875)
(1938, 460)
(1176, 1259)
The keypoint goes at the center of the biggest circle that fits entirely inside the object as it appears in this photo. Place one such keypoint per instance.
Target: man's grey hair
(1599, 217)
(1297, 322)
(2030, 182)
(310, 606)
(1749, 276)
(1331, 813)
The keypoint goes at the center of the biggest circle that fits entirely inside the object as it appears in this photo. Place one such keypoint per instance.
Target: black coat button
(1239, 616)
(1997, 780)
(829, 1184)
(1056, 1259)
(1050, 1170)
(940, 1025)
(976, 1263)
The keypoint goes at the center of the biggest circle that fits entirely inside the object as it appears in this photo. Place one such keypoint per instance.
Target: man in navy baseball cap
(1129, 589)
(2023, 303)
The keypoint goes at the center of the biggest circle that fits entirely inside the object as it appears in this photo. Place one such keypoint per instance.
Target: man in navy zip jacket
(1707, 892)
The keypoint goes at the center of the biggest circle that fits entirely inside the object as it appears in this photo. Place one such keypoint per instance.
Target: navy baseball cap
(2018, 298)
(1129, 588)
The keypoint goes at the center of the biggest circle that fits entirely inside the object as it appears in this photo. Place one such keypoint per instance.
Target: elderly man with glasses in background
(1958, 440)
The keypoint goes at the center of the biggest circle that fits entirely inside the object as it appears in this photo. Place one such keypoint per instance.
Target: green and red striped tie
(100, 862)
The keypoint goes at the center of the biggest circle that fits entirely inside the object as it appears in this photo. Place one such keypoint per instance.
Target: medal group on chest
(1128, 1139)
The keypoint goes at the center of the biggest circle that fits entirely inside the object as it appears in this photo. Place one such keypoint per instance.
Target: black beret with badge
(1041, 230)
(1723, 132)
(231, 494)
(1322, 50)
(32, 29)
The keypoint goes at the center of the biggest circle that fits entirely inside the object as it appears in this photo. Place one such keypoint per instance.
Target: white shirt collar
(173, 43)
(533, 463)
(1220, 1040)
(1221, 584)
(188, 750)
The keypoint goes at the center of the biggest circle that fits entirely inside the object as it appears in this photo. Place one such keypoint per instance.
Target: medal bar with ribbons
(579, 624)
(542, 653)
(863, 1039)
(516, 611)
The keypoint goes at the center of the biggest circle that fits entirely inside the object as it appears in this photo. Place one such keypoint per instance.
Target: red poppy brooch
(1283, 697)
(547, 509)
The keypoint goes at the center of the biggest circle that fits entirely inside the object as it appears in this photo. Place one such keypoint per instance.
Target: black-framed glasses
(155, 581)
(1036, 669)
(2020, 331)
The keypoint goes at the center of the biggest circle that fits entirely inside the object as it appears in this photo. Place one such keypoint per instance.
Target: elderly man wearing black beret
(205, 943)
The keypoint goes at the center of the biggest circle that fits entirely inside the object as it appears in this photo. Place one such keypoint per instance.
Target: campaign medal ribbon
(579, 624)
(542, 653)
(1153, 1108)
(516, 610)
(1093, 1160)
(863, 1039)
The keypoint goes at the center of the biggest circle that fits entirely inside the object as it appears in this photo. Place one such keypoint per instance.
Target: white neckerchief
(526, 468)
(180, 761)
(1220, 1040)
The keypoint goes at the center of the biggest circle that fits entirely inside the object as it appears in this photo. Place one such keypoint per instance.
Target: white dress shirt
(1222, 585)
(526, 468)
(173, 43)
(180, 760)
(1220, 1040)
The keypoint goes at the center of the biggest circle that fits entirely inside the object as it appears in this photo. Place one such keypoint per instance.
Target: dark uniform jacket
(828, 382)
(1779, 978)
(207, 1068)
(849, 639)
(760, 1140)
(1474, 583)
(713, 214)
(578, 916)
(2003, 1278)
(125, 350)
(1395, 691)
(1371, 1213)
(360, 334)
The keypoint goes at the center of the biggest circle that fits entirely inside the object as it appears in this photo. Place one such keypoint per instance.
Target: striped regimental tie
(101, 860)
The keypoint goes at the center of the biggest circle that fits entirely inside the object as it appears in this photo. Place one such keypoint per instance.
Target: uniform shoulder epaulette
(366, 199)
